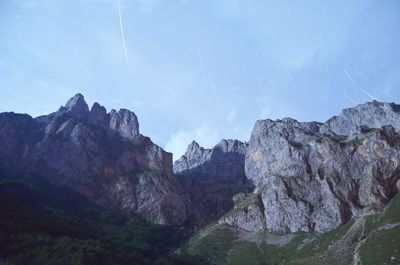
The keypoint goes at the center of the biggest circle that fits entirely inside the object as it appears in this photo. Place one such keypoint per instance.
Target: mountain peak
(76, 106)
(193, 148)
(193, 144)
(76, 101)
(372, 114)
(98, 115)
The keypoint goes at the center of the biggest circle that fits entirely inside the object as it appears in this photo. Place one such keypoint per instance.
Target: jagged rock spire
(125, 123)
(76, 106)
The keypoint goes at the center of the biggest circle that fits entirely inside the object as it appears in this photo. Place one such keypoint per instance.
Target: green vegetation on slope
(382, 245)
(369, 240)
(44, 224)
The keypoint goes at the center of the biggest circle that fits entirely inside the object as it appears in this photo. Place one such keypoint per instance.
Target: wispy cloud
(147, 5)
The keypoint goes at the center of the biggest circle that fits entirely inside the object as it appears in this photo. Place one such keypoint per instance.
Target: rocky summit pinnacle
(125, 123)
(76, 106)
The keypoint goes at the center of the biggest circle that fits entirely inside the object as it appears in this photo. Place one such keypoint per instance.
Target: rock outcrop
(211, 177)
(101, 155)
(315, 177)
(248, 213)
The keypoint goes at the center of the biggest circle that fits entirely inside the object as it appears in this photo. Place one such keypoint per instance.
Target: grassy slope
(371, 240)
(43, 224)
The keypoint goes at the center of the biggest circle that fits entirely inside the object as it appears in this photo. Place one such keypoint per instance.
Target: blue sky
(200, 69)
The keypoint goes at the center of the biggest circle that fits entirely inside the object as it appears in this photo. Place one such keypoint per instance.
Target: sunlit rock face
(315, 177)
(101, 155)
(211, 177)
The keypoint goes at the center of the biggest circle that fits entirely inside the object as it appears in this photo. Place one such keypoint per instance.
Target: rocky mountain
(316, 177)
(211, 177)
(291, 176)
(101, 155)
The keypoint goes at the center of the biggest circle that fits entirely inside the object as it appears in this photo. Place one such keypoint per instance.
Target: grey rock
(76, 106)
(247, 214)
(98, 115)
(125, 123)
(371, 115)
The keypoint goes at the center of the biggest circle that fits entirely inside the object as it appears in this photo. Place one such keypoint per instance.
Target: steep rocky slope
(211, 177)
(101, 155)
(316, 177)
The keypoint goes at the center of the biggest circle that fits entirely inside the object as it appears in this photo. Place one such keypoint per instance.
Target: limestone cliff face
(101, 155)
(315, 177)
(211, 177)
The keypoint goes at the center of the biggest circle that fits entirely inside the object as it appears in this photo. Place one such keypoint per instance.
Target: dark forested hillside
(44, 224)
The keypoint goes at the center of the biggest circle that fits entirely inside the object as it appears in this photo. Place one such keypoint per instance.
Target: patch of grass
(340, 138)
(213, 242)
(258, 254)
(382, 246)
(391, 213)
(352, 142)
